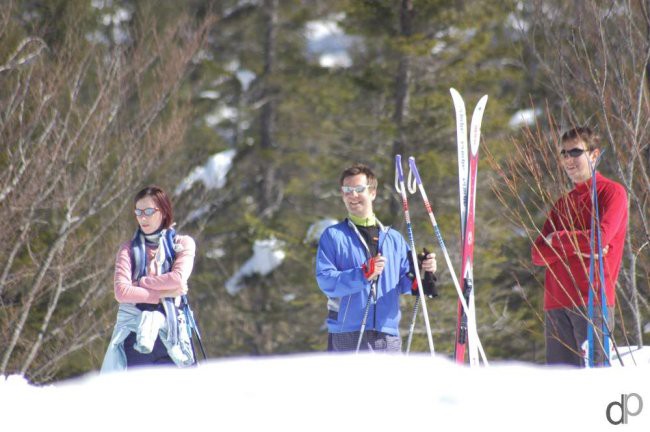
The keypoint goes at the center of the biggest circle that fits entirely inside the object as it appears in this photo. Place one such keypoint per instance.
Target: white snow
(212, 174)
(221, 113)
(329, 43)
(198, 213)
(525, 117)
(453, 33)
(101, 4)
(316, 229)
(335, 60)
(326, 392)
(245, 78)
(209, 94)
(267, 256)
(117, 18)
(516, 21)
(320, 29)
(215, 253)
(631, 356)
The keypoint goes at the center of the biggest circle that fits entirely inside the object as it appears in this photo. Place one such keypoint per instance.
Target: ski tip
(453, 91)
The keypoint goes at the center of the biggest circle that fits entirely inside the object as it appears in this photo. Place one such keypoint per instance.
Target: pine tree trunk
(267, 176)
(402, 84)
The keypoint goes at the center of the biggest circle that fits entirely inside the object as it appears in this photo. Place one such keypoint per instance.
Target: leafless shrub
(594, 59)
(80, 128)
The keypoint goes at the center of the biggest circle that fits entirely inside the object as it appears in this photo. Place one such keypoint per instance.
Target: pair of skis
(414, 181)
(466, 328)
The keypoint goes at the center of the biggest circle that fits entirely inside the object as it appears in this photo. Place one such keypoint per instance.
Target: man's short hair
(584, 134)
(357, 169)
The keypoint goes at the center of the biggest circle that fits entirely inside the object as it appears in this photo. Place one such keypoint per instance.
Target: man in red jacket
(564, 249)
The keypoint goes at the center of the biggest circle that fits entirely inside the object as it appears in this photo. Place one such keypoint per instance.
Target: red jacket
(567, 272)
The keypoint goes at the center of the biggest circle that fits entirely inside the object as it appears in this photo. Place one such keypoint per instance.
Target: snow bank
(328, 392)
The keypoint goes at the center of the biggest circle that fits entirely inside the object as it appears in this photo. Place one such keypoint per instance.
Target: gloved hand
(374, 267)
(428, 279)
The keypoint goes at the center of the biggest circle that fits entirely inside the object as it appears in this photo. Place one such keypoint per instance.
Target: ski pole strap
(368, 268)
(399, 175)
(414, 170)
(411, 182)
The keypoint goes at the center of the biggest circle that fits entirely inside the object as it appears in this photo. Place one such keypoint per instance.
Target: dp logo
(623, 410)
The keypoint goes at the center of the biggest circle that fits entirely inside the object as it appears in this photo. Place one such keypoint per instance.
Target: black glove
(428, 279)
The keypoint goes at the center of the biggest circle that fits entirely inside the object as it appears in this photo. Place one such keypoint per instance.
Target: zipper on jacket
(381, 229)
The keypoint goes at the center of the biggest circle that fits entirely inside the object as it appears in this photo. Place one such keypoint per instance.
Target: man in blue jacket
(359, 261)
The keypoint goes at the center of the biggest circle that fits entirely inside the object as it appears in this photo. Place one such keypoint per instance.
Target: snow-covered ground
(322, 392)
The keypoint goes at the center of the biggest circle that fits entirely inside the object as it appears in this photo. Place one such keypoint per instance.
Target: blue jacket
(341, 254)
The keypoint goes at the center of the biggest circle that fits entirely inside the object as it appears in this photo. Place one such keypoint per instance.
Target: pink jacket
(150, 288)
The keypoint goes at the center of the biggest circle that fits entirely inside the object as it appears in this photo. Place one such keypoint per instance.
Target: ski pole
(614, 344)
(412, 327)
(371, 296)
(428, 278)
(416, 305)
(441, 242)
(595, 245)
(193, 325)
(401, 189)
(607, 333)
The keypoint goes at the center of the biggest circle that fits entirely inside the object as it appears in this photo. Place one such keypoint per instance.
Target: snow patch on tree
(267, 256)
(212, 174)
(329, 43)
(316, 229)
(526, 117)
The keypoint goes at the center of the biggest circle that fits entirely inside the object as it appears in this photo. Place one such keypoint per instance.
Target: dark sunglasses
(147, 212)
(574, 152)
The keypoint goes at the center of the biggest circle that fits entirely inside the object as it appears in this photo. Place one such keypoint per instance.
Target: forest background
(99, 98)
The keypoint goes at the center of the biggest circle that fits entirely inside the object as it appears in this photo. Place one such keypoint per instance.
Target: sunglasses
(358, 189)
(147, 212)
(574, 152)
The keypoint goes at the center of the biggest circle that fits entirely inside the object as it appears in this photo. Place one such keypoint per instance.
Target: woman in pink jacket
(151, 273)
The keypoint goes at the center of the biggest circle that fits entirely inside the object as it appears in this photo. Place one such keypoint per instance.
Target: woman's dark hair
(162, 201)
